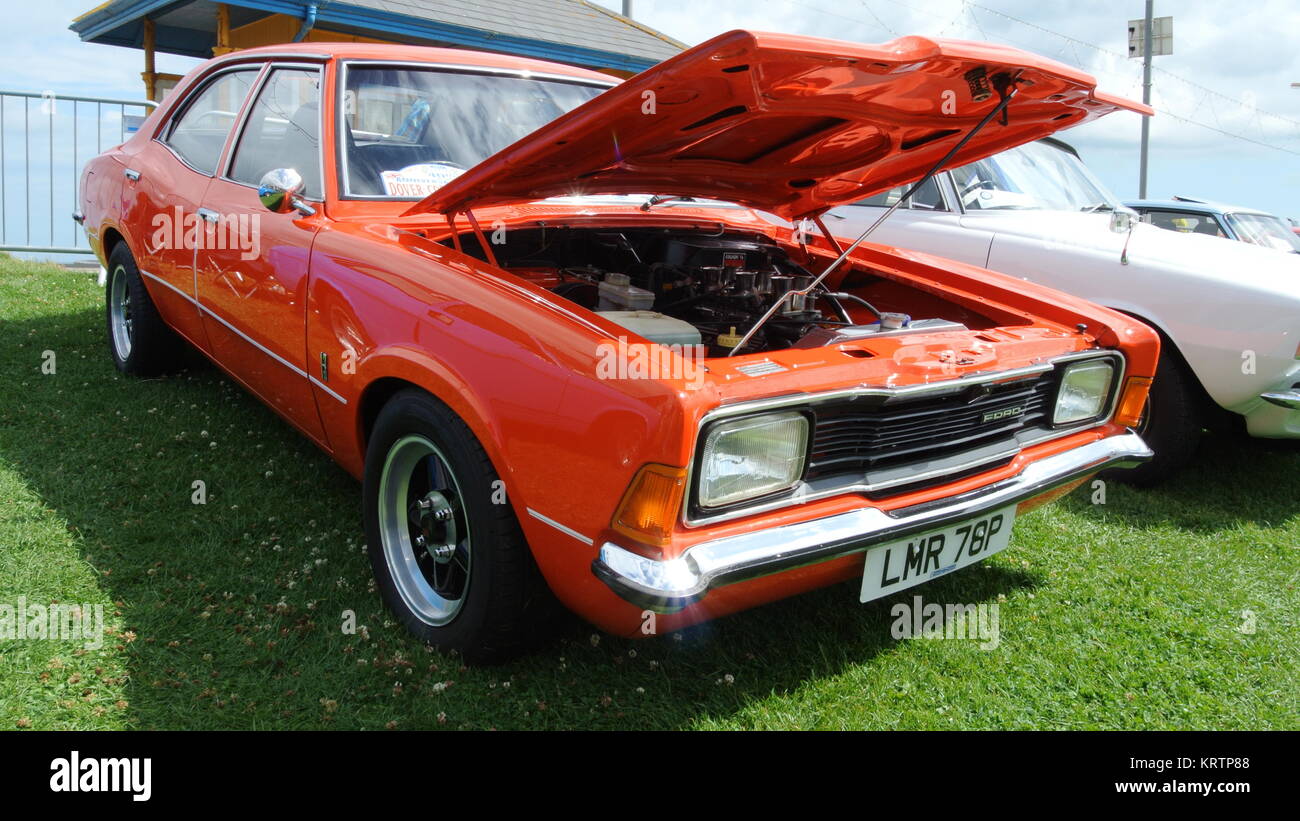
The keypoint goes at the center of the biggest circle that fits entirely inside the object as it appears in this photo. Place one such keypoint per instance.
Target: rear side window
(199, 133)
(283, 131)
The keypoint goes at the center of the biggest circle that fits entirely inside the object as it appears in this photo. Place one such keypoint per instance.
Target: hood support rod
(1006, 87)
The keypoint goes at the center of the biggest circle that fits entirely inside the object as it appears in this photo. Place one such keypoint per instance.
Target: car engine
(683, 287)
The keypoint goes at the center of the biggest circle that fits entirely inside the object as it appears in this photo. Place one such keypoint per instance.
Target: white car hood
(1195, 255)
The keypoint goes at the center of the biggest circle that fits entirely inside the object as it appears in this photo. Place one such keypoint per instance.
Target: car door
(252, 271)
(165, 184)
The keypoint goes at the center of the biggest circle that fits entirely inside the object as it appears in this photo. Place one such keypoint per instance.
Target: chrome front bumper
(668, 586)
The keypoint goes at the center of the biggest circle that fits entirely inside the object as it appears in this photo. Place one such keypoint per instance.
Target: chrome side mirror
(1122, 220)
(281, 190)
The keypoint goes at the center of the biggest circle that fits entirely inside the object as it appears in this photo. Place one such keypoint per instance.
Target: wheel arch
(1167, 343)
(384, 385)
(373, 397)
(110, 239)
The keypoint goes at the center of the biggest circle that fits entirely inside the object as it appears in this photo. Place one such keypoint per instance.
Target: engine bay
(700, 288)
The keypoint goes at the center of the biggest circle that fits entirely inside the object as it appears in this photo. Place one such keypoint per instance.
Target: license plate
(925, 556)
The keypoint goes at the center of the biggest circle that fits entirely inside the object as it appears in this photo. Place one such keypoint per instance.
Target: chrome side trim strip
(167, 284)
(323, 387)
(1283, 399)
(667, 586)
(286, 363)
(566, 530)
(251, 341)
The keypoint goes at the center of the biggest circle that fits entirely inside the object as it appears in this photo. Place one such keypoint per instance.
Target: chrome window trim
(235, 58)
(943, 195)
(341, 156)
(950, 192)
(163, 133)
(237, 133)
(855, 486)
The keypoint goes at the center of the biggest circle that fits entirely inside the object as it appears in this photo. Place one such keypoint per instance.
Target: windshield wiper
(1101, 206)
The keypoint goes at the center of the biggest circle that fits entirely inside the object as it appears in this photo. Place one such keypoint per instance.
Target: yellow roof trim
(101, 6)
(629, 21)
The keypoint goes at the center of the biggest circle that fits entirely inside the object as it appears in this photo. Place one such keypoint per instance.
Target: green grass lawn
(1170, 608)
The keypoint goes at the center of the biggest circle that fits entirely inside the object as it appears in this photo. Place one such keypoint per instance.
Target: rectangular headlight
(751, 457)
(1085, 387)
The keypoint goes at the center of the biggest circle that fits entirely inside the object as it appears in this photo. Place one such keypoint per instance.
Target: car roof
(415, 54)
(1199, 206)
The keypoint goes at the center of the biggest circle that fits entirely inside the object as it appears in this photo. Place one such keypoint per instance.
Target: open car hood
(787, 124)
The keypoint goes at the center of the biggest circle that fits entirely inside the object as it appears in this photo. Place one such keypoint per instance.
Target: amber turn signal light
(1133, 401)
(650, 506)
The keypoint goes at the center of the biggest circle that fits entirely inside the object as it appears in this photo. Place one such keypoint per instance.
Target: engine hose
(838, 295)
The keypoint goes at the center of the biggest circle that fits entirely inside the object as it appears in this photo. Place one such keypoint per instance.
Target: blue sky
(1221, 59)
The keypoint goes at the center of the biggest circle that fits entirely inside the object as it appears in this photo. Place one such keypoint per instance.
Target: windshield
(1261, 229)
(406, 131)
(1035, 176)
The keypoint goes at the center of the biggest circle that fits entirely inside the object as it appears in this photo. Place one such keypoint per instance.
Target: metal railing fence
(44, 140)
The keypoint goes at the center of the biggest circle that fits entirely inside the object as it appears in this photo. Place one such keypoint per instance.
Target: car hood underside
(786, 124)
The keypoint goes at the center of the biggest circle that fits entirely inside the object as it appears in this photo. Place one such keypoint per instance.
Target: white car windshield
(406, 131)
(1261, 229)
(1035, 176)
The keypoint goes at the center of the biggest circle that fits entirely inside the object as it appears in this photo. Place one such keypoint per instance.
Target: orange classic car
(574, 338)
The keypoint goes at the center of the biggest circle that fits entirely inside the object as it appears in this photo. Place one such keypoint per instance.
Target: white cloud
(40, 53)
(1246, 53)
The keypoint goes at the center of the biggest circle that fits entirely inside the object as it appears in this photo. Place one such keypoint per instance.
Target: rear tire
(139, 342)
(448, 554)
(1171, 424)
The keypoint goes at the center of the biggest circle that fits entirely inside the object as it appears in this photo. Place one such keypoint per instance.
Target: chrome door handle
(132, 174)
(209, 215)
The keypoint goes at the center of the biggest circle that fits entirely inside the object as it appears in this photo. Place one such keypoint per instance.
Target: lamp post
(1147, 38)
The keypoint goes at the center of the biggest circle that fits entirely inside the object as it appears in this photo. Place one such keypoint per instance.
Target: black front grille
(855, 437)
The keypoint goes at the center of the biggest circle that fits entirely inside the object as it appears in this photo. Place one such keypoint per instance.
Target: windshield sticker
(418, 180)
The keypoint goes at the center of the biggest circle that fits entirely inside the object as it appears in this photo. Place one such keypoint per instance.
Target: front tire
(448, 555)
(1171, 424)
(139, 342)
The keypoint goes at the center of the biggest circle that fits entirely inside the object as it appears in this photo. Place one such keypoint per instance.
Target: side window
(200, 132)
(1184, 222)
(927, 198)
(283, 130)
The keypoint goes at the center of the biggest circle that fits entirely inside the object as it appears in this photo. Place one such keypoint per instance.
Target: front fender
(520, 373)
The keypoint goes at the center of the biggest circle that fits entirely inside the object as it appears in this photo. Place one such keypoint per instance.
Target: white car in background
(1228, 312)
